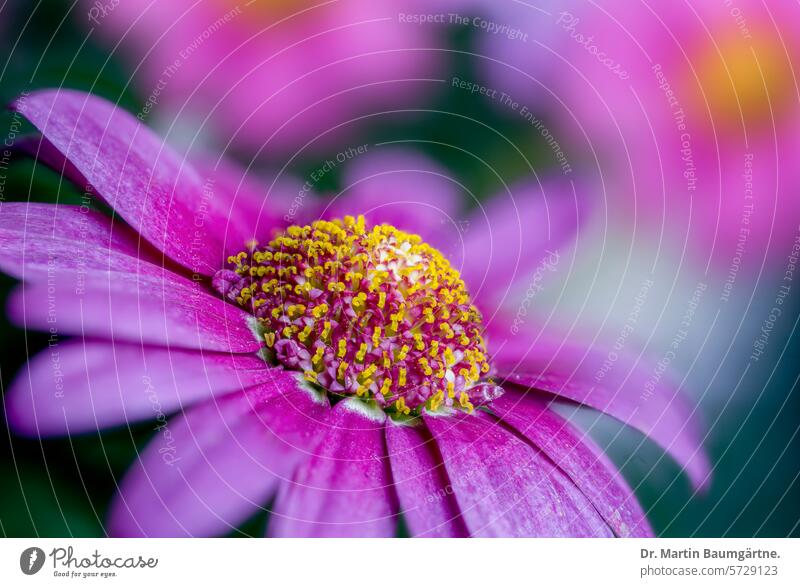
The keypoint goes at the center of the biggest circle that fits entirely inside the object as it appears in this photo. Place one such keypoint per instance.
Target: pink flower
(692, 110)
(518, 54)
(276, 357)
(277, 77)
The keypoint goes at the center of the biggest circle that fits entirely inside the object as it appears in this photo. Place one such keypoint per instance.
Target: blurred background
(675, 126)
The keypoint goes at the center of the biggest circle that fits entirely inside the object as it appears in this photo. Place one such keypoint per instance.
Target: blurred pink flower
(170, 318)
(692, 110)
(274, 75)
(520, 54)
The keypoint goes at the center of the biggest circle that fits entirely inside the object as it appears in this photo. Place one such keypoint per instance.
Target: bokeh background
(495, 93)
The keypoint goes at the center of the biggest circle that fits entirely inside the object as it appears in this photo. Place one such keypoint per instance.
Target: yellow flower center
(371, 312)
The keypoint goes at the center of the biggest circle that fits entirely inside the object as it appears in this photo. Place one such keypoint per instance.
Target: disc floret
(371, 312)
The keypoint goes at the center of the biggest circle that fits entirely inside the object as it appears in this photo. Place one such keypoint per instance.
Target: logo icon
(31, 560)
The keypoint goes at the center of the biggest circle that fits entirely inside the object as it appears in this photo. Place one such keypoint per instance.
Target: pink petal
(36, 238)
(209, 469)
(623, 391)
(507, 488)
(141, 309)
(64, 223)
(161, 196)
(423, 488)
(256, 206)
(44, 152)
(516, 231)
(345, 488)
(75, 387)
(577, 455)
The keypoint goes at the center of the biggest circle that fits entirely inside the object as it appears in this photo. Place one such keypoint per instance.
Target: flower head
(301, 415)
(367, 311)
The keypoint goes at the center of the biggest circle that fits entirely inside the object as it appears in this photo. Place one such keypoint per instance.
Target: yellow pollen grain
(359, 301)
(368, 372)
(341, 370)
(446, 330)
(426, 368)
(464, 402)
(400, 406)
(326, 331)
(403, 352)
(318, 354)
(376, 336)
(473, 372)
(303, 336)
(386, 387)
(436, 401)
